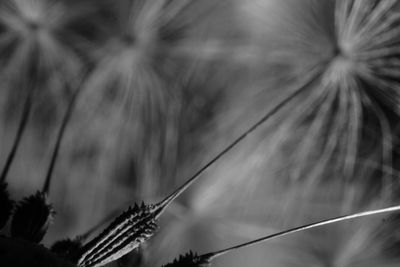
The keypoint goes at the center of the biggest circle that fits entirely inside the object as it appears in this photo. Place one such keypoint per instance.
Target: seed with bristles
(357, 42)
(6, 204)
(32, 218)
(124, 234)
(138, 224)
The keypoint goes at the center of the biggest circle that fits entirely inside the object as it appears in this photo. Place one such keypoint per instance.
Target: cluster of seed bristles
(367, 57)
(124, 234)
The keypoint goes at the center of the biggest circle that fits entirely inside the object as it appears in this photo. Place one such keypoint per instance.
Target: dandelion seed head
(136, 84)
(354, 45)
(33, 31)
(338, 71)
(123, 235)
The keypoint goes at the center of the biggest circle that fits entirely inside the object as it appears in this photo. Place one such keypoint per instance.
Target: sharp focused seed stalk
(124, 234)
(361, 78)
(139, 223)
(193, 260)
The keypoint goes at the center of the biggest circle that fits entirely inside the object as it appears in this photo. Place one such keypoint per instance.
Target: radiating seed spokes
(124, 234)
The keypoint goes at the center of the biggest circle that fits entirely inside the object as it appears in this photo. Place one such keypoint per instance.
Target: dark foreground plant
(139, 223)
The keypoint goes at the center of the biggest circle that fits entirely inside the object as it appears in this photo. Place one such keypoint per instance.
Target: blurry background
(166, 84)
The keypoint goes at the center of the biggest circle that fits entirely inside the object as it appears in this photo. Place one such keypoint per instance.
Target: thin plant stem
(138, 224)
(18, 137)
(60, 136)
(213, 255)
(309, 79)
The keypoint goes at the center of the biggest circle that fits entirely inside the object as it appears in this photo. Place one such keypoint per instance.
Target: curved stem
(60, 135)
(213, 255)
(20, 132)
(160, 207)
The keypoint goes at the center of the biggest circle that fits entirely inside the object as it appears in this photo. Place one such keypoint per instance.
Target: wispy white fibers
(37, 58)
(40, 66)
(134, 82)
(330, 150)
(358, 43)
(38, 50)
(33, 35)
(132, 101)
(158, 64)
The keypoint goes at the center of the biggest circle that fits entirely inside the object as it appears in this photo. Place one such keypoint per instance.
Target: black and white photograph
(200, 133)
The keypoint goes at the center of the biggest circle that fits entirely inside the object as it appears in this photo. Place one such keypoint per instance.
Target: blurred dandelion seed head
(339, 70)
(133, 97)
(354, 44)
(173, 81)
(33, 32)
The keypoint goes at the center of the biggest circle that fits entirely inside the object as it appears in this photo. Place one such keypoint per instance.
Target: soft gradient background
(168, 84)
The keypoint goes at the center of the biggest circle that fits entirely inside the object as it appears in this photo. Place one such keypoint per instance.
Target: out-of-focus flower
(38, 56)
(328, 150)
(36, 42)
(350, 113)
(136, 86)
